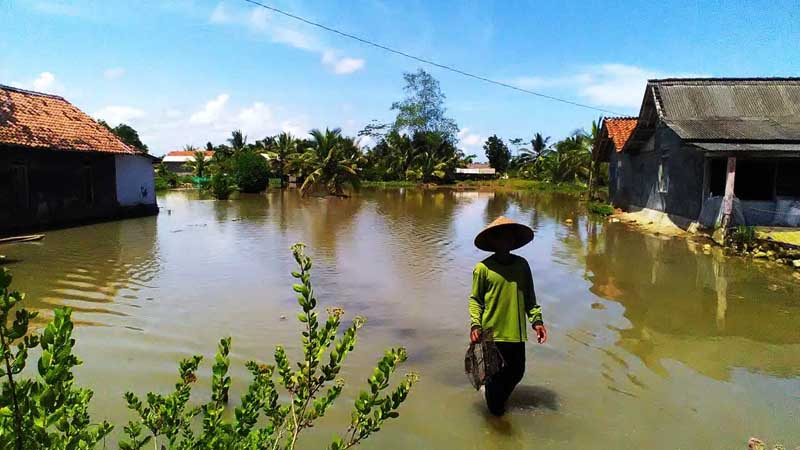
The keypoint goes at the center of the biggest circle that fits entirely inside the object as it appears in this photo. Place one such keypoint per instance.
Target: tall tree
(198, 165)
(280, 151)
(238, 140)
(331, 161)
(126, 134)
(497, 153)
(422, 109)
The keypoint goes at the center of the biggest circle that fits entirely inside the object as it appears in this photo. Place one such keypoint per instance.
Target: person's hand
(541, 333)
(475, 335)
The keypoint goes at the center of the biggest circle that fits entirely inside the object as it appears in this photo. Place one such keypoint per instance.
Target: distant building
(722, 151)
(475, 170)
(58, 166)
(176, 161)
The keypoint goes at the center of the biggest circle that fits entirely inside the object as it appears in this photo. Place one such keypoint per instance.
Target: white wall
(135, 183)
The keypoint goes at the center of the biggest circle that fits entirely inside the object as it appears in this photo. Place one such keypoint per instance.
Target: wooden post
(727, 201)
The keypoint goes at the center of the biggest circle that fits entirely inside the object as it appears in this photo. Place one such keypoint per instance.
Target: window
(619, 175)
(663, 176)
(19, 186)
(788, 179)
(755, 180)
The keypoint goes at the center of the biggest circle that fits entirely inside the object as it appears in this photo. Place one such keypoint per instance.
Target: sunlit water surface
(653, 344)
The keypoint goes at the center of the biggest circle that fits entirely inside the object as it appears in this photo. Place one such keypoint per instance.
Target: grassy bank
(389, 184)
(519, 184)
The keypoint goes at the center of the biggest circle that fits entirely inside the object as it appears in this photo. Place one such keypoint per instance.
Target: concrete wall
(135, 180)
(682, 168)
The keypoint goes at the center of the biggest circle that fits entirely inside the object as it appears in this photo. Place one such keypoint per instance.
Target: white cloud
(116, 115)
(612, 85)
(214, 121)
(114, 73)
(211, 111)
(46, 82)
(219, 15)
(468, 140)
(342, 66)
(260, 22)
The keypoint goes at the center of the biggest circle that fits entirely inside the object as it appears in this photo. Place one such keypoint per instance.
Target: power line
(427, 61)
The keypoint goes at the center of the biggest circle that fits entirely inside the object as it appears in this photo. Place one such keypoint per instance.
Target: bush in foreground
(50, 412)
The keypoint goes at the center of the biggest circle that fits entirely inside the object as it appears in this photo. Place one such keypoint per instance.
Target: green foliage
(198, 165)
(602, 209)
(250, 171)
(48, 411)
(221, 185)
(262, 420)
(280, 150)
(743, 236)
(165, 178)
(422, 109)
(126, 134)
(497, 153)
(329, 163)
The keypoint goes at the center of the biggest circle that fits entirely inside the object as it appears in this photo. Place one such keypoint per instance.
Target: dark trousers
(500, 386)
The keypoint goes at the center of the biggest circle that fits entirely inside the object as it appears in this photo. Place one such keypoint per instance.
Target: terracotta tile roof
(185, 153)
(42, 121)
(620, 129)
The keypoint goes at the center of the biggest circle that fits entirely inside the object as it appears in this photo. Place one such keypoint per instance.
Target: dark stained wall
(682, 169)
(42, 188)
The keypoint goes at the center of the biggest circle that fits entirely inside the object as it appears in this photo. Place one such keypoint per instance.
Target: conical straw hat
(504, 228)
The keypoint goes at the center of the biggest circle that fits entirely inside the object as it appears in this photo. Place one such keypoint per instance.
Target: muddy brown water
(653, 344)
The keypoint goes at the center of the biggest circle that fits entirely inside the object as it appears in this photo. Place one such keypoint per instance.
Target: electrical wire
(430, 62)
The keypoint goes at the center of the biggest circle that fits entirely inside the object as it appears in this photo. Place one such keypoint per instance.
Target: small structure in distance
(476, 171)
(176, 161)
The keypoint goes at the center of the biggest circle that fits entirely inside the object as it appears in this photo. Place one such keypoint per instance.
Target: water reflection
(644, 330)
(702, 309)
(97, 270)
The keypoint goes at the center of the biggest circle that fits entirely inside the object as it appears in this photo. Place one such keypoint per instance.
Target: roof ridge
(29, 92)
(724, 80)
(621, 118)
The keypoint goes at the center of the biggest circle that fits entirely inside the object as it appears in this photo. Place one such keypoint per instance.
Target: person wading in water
(501, 300)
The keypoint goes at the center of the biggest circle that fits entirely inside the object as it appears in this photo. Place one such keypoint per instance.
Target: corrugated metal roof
(750, 109)
(747, 147)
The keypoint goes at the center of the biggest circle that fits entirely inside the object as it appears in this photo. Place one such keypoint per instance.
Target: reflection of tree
(678, 304)
(496, 206)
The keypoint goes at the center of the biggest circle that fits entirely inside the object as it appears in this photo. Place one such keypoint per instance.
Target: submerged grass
(601, 209)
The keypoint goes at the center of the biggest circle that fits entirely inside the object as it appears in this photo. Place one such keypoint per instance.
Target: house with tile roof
(176, 161)
(718, 151)
(58, 166)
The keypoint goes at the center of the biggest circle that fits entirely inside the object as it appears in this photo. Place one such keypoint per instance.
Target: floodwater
(653, 344)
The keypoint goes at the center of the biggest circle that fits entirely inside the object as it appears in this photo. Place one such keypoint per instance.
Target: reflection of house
(692, 134)
(694, 308)
(176, 161)
(59, 166)
(475, 170)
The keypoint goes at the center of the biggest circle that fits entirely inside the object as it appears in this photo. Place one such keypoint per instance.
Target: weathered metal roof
(730, 109)
(747, 147)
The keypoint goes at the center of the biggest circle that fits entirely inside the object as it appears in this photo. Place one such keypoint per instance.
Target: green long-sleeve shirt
(502, 296)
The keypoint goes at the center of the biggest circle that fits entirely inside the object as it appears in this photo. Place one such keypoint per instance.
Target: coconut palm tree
(330, 162)
(527, 159)
(238, 140)
(280, 151)
(198, 165)
(568, 160)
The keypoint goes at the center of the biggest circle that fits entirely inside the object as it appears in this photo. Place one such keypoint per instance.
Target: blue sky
(190, 71)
